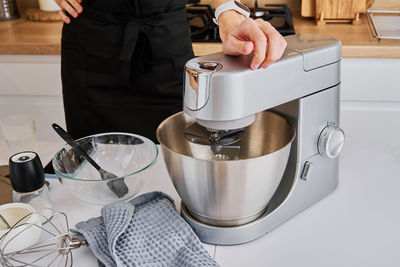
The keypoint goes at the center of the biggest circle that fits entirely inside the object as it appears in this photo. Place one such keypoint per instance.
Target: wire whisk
(45, 242)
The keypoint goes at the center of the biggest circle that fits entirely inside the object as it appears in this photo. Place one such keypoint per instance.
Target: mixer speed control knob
(331, 141)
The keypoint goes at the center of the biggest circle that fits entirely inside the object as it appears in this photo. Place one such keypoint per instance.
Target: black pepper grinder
(27, 180)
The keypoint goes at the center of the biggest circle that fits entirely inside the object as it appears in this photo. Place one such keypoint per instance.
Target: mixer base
(223, 223)
(224, 235)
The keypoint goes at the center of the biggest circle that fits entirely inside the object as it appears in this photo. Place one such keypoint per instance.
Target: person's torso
(137, 8)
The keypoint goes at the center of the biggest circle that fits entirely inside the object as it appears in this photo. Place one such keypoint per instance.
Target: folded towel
(146, 231)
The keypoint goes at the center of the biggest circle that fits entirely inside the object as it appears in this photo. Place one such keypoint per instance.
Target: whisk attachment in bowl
(224, 144)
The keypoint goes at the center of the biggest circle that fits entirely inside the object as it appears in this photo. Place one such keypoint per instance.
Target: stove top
(204, 29)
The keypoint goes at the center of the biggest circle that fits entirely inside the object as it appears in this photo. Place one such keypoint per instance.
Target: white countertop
(357, 225)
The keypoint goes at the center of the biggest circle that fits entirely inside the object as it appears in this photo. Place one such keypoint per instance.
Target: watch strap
(231, 5)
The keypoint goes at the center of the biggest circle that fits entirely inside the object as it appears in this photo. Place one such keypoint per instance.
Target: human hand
(73, 7)
(241, 36)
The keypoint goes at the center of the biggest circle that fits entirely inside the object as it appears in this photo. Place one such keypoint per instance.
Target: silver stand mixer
(254, 148)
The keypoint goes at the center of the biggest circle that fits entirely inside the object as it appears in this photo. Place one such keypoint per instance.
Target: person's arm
(241, 36)
(73, 7)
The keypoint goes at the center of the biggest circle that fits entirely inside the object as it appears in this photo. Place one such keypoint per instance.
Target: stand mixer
(254, 148)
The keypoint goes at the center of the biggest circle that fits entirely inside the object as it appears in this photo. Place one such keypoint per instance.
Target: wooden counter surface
(43, 38)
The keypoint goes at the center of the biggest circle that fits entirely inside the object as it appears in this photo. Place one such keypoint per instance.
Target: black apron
(122, 65)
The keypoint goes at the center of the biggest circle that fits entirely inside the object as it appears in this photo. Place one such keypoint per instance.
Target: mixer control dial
(331, 141)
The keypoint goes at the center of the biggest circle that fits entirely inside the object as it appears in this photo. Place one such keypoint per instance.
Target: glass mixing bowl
(128, 156)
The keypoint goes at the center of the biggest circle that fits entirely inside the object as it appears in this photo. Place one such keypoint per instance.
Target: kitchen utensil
(219, 141)
(19, 132)
(384, 24)
(117, 186)
(334, 11)
(247, 193)
(19, 227)
(308, 8)
(339, 11)
(48, 5)
(36, 14)
(128, 156)
(8, 10)
(28, 243)
(26, 172)
(27, 180)
(198, 177)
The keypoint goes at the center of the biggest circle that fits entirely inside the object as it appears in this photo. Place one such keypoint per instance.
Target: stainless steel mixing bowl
(227, 192)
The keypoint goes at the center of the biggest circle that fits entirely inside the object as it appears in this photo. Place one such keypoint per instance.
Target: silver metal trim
(373, 25)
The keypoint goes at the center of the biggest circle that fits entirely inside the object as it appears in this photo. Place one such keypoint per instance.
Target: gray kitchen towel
(146, 231)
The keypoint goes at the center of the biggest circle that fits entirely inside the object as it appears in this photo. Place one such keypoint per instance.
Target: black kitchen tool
(118, 186)
(26, 172)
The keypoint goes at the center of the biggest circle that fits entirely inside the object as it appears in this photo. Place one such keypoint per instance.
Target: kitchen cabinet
(31, 84)
(372, 80)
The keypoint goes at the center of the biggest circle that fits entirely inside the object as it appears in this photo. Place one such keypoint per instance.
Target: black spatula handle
(67, 138)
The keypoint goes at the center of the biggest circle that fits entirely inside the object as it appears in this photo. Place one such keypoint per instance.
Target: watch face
(242, 6)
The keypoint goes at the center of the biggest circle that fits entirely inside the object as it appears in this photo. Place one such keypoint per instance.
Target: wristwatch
(235, 5)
